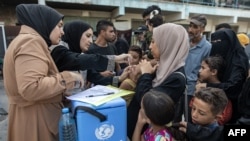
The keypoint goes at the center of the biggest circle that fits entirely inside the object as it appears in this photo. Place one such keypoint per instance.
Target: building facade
(126, 14)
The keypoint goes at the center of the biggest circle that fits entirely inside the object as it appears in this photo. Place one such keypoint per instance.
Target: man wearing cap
(140, 33)
(199, 50)
(141, 29)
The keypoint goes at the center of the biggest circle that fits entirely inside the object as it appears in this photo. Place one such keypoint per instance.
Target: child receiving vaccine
(130, 82)
(157, 110)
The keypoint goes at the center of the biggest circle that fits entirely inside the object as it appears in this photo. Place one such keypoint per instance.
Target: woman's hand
(79, 82)
(107, 73)
(125, 73)
(153, 62)
(123, 58)
(146, 67)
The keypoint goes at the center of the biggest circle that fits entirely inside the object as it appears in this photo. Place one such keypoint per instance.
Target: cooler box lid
(118, 102)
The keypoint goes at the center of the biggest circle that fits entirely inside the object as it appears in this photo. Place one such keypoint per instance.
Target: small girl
(157, 110)
(211, 71)
(130, 82)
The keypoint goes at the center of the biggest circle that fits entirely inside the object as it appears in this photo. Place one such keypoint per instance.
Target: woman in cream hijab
(169, 46)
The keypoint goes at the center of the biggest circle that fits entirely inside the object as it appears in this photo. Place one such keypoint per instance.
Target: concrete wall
(175, 12)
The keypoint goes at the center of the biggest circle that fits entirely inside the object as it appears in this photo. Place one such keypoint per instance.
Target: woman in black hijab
(226, 44)
(69, 54)
(41, 18)
(32, 82)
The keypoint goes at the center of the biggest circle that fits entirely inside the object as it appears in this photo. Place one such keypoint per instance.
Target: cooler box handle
(91, 111)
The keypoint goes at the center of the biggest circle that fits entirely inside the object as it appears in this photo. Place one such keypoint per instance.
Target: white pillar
(42, 2)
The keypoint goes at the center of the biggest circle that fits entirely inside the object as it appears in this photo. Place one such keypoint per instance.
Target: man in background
(198, 51)
(102, 45)
(148, 10)
(152, 17)
(122, 46)
(140, 33)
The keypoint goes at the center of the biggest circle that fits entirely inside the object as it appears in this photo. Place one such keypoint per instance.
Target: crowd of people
(185, 87)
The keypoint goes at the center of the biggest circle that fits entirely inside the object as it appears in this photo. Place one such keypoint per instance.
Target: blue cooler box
(113, 127)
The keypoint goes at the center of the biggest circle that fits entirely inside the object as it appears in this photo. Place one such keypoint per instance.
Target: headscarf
(173, 45)
(243, 38)
(226, 44)
(73, 33)
(41, 18)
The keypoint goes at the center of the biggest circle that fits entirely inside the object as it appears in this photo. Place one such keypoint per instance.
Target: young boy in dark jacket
(207, 107)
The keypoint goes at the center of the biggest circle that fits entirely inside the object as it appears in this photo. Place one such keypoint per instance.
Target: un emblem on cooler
(104, 132)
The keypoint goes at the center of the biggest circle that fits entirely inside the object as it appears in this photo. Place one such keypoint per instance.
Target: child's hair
(160, 109)
(217, 63)
(155, 18)
(215, 97)
(136, 49)
(149, 9)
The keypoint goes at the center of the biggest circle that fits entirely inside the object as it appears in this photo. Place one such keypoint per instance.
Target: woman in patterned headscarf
(169, 46)
(32, 82)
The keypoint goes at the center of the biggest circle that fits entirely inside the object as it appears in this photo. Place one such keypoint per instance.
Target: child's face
(204, 73)
(135, 58)
(201, 113)
(136, 71)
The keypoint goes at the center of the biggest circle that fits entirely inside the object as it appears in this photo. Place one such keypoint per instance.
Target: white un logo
(104, 132)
